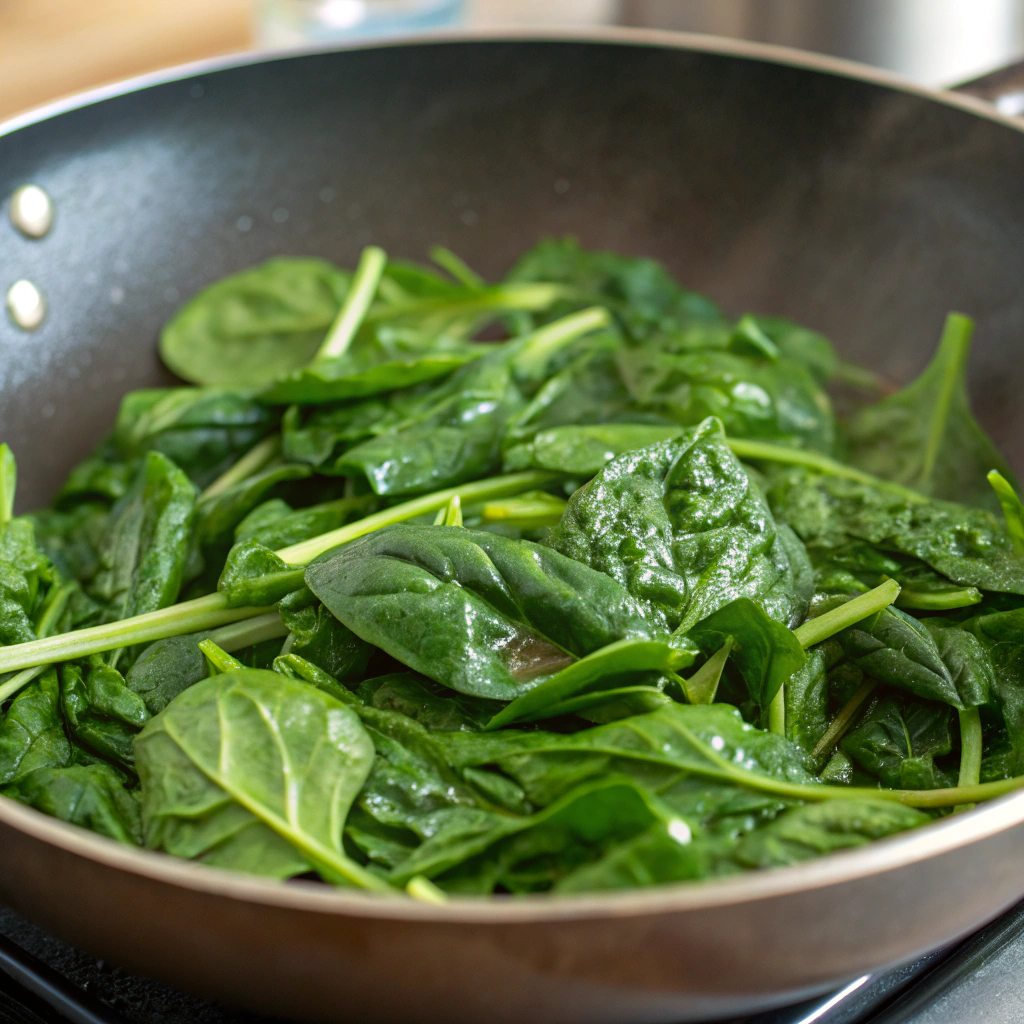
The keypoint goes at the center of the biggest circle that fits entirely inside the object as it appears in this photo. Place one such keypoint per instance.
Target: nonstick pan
(774, 182)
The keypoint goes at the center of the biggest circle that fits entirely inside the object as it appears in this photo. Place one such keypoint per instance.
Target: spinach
(966, 545)
(249, 329)
(101, 712)
(254, 771)
(201, 430)
(897, 740)
(765, 652)
(486, 615)
(92, 796)
(32, 734)
(479, 685)
(681, 526)
(925, 436)
(143, 558)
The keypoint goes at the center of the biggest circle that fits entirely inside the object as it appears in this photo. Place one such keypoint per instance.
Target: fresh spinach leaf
(483, 614)
(101, 711)
(31, 733)
(925, 436)
(680, 525)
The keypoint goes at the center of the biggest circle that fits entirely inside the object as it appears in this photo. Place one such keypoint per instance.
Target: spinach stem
(1013, 510)
(842, 722)
(938, 600)
(243, 634)
(19, 681)
(953, 349)
(424, 890)
(462, 272)
(451, 514)
(357, 302)
(813, 631)
(527, 297)
(861, 377)
(480, 490)
(255, 459)
(8, 482)
(970, 747)
(546, 340)
(217, 659)
(762, 450)
(777, 712)
(212, 611)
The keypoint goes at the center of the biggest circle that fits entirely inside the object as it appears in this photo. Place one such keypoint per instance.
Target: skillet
(770, 180)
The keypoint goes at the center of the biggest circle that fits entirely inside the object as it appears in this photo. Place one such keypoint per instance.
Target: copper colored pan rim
(876, 858)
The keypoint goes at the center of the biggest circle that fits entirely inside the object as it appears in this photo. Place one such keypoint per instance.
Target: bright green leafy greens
(379, 601)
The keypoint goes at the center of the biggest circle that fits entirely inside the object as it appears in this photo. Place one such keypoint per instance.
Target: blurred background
(49, 48)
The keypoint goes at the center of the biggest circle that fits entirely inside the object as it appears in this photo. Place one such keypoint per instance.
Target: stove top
(44, 981)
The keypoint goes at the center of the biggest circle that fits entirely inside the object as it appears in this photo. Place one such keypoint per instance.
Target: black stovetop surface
(44, 981)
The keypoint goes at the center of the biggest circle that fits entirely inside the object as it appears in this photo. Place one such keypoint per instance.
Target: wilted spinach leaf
(101, 711)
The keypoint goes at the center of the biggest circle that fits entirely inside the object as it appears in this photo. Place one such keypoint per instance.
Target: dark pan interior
(864, 212)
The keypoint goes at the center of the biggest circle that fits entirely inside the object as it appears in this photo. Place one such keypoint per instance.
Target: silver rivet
(26, 305)
(31, 211)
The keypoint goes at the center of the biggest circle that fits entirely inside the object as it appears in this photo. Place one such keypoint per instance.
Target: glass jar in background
(284, 23)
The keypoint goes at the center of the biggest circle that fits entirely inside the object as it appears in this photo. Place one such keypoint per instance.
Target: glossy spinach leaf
(316, 635)
(254, 771)
(380, 359)
(766, 652)
(897, 740)
(775, 399)
(925, 436)
(101, 711)
(816, 829)
(249, 329)
(31, 733)
(681, 526)
(807, 701)
(254, 575)
(584, 450)
(201, 430)
(275, 524)
(966, 545)
(91, 796)
(217, 516)
(435, 707)
(143, 558)
(26, 576)
(483, 614)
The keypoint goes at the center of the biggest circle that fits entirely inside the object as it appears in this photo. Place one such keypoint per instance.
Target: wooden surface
(49, 48)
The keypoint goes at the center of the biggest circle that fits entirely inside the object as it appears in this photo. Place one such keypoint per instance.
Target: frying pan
(771, 180)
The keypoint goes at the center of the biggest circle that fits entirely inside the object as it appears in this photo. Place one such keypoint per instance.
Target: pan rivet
(31, 211)
(26, 305)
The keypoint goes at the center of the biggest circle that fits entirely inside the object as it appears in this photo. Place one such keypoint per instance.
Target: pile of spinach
(610, 599)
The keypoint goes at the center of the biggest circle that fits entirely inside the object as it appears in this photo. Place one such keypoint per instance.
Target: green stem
(953, 349)
(8, 482)
(451, 514)
(529, 297)
(240, 635)
(970, 748)
(839, 725)
(217, 659)
(357, 302)
(938, 600)
(20, 680)
(813, 631)
(481, 490)
(1013, 510)
(777, 713)
(212, 611)
(255, 459)
(547, 340)
(762, 450)
(424, 890)
(922, 798)
(188, 617)
(464, 274)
